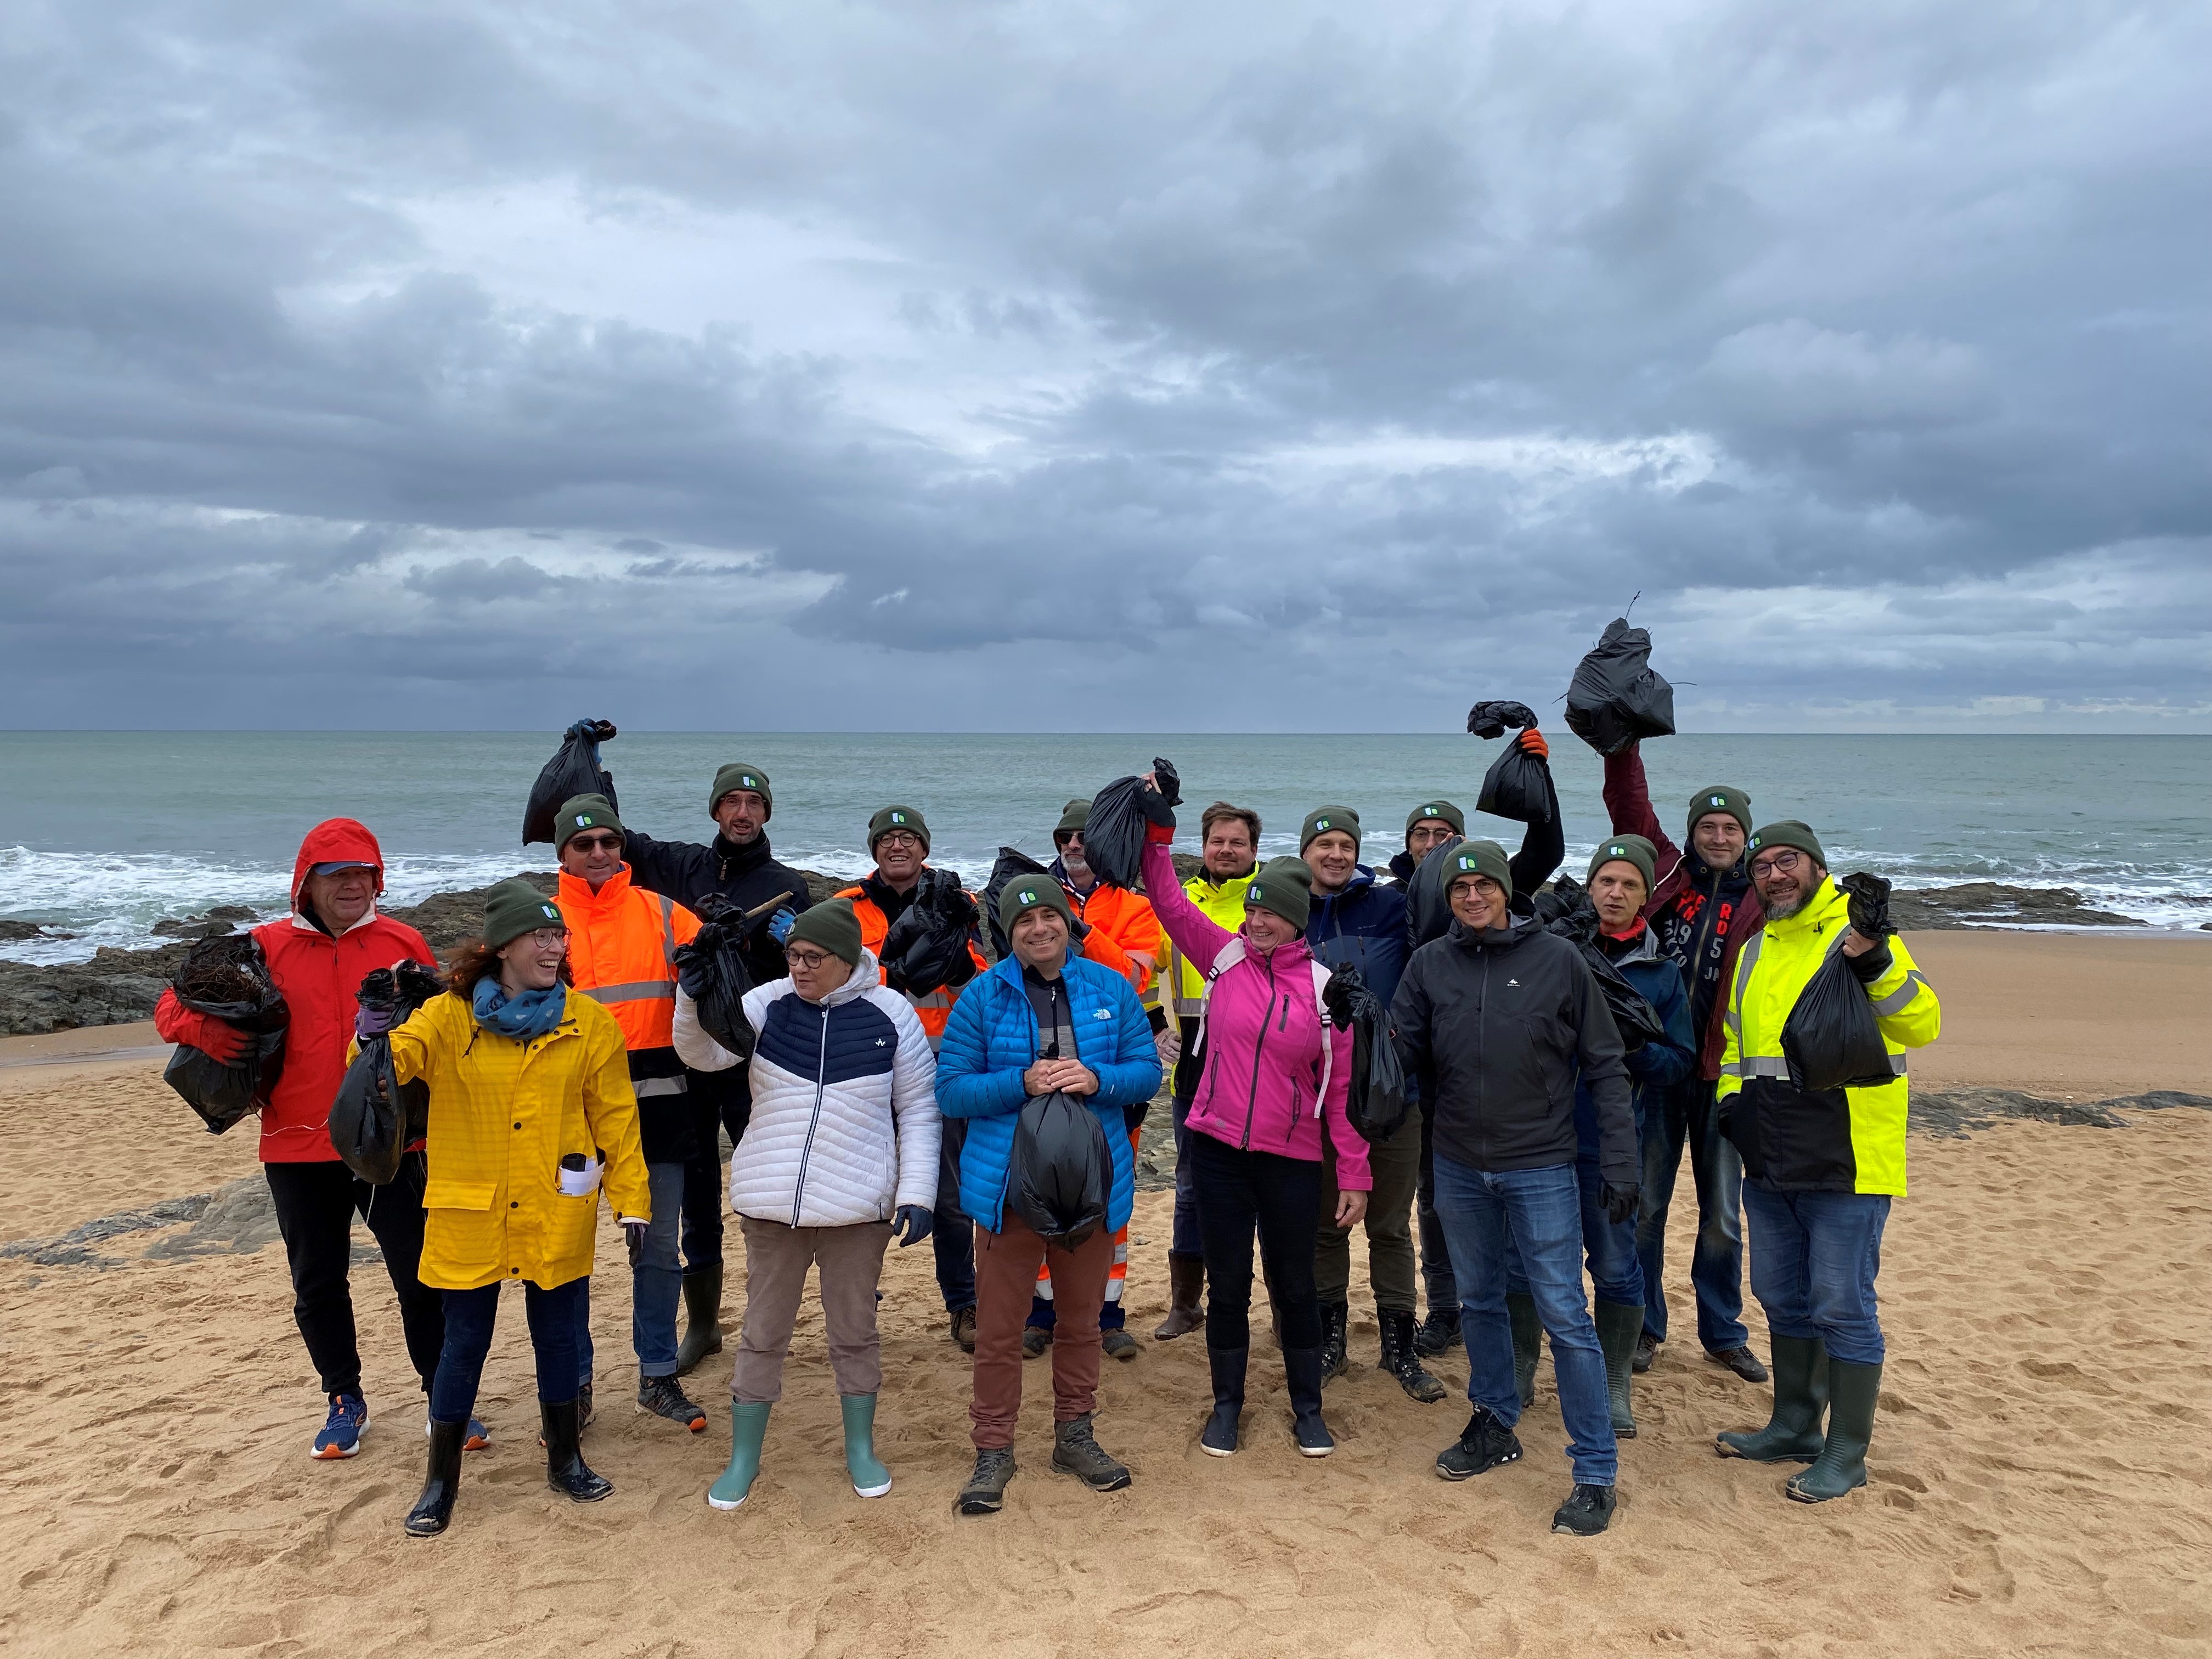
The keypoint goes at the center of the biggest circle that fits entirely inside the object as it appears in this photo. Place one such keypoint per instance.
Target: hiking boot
(1035, 1339)
(1186, 1297)
(1617, 1325)
(565, 1472)
(1792, 1434)
(1219, 1437)
(1647, 1350)
(702, 1315)
(1076, 1452)
(434, 1510)
(1841, 1465)
(475, 1438)
(1482, 1445)
(986, 1491)
(1400, 1359)
(1302, 1370)
(343, 1430)
(870, 1477)
(1118, 1344)
(1528, 1328)
(1335, 1323)
(663, 1396)
(748, 1428)
(1440, 1334)
(1740, 1360)
(964, 1330)
(1587, 1512)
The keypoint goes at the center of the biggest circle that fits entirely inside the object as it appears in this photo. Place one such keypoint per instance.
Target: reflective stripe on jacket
(621, 949)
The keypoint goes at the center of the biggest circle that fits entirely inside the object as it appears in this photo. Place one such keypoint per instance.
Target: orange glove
(1532, 740)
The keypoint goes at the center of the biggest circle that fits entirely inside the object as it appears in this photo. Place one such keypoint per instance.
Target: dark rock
(1954, 1113)
(1993, 904)
(113, 989)
(12, 931)
(447, 919)
(217, 921)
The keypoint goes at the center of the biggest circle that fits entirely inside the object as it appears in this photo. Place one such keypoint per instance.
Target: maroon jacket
(1700, 917)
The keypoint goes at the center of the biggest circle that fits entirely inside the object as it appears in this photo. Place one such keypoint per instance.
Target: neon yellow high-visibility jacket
(1223, 902)
(1844, 1141)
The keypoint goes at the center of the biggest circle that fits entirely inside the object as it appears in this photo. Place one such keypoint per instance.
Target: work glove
(1620, 1202)
(372, 1020)
(781, 924)
(691, 970)
(1532, 742)
(634, 1238)
(912, 1224)
(1155, 807)
(224, 1044)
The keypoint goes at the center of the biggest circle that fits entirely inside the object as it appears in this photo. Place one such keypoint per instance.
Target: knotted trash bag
(1637, 1020)
(1615, 697)
(1378, 1101)
(1869, 905)
(1832, 1039)
(1518, 785)
(1061, 1173)
(1114, 838)
(715, 961)
(1490, 720)
(1012, 865)
(574, 771)
(375, 1117)
(227, 978)
(924, 950)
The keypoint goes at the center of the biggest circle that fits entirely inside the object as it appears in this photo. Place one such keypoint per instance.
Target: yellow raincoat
(502, 1114)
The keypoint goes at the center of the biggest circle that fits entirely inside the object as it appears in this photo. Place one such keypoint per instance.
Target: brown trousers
(776, 1260)
(1006, 1276)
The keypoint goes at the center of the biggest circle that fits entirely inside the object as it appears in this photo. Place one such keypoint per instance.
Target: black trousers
(1238, 1191)
(315, 1205)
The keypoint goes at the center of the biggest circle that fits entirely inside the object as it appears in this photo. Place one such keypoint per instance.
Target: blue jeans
(1537, 1213)
(952, 1237)
(470, 1316)
(1608, 1247)
(1813, 1259)
(656, 1284)
(1185, 1239)
(1669, 1120)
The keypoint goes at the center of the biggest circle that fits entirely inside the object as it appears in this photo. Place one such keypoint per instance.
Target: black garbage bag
(1869, 906)
(574, 771)
(1831, 1039)
(924, 948)
(1378, 1101)
(1114, 839)
(1061, 1173)
(1490, 720)
(1518, 785)
(1637, 1020)
(1616, 698)
(716, 954)
(1012, 864)
(227, 978)
(1564, 897)
(375, 1117)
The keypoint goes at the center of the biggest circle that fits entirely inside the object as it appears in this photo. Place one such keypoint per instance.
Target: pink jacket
(1263, 1037)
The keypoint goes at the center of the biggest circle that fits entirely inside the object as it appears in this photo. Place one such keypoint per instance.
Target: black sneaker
(964, 1330)
(663, 1396)
(1743, 1361)
(1439, 1332)
(1587, 1512)
(1647, 1350)
(986, 1491)
(1482, 1445)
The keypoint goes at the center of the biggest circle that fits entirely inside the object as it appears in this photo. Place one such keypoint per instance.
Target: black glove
(1155, 807)
(912, 1224)
(1620, 1202)
(691, 966)
(634, 1239)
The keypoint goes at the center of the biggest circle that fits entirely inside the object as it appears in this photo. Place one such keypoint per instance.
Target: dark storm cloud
(1297, 370)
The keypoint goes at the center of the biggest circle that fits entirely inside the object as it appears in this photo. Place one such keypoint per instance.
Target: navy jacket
(1363, 927)
(1655, 1065)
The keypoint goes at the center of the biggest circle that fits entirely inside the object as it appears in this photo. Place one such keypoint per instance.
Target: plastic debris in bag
(375, 1117)
(1869, 905)
(1576, 920)
(1114, 838)
(1832, 1039)
(1518, 785)
(1059, 1174)
(574, 771)
(925, 947)
(1616, 697)
(1378, 1101)
(227, 978)
(716, 957)
(1012, 865)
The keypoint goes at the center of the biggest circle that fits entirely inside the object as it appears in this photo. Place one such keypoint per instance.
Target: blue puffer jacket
(991, 1039)
(1363, 927)
(1655, 1065)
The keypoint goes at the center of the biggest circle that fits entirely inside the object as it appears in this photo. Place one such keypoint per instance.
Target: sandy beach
(2039, 1468)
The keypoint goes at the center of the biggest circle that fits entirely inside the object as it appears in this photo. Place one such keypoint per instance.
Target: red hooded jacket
(319, 976)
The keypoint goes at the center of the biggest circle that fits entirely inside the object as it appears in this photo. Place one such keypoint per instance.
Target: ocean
(103, 834)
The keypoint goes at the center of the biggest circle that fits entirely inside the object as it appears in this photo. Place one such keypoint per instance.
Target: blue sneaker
(476, 1439)
(341, 1435)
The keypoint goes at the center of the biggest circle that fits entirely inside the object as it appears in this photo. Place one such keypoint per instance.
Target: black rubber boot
(1619, 1325)
(1792, 1434)
(1186, 1297)
(1853, 1391)
(702, 1318)
(1439, 1333)
(565, 1469)
(434, 1508)
(1400, 1359)
(1218, 1439)
(1335, 1342)
(1527, 1333)
(1302, 1370)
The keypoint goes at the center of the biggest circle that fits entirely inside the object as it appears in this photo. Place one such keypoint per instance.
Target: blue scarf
(527, 1016)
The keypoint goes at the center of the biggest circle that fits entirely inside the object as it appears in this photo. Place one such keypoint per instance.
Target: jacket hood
(1831, 903)
(1363, 878)
(867, 974)
(1645, 949)
(332, 841)
(575, 889)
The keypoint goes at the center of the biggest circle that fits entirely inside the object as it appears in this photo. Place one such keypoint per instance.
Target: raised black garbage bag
(1832, 1039)
(1869, 906)
(1114, 839)
(1012, 865)
(1061, 1173)
(1576, 922)
(716, 955)
(924, 949)
(1616, 697)
(1376, 1102)
(574, 771)
(227, 978)
(1518, 785)
(1490, 720)
(375, 1117)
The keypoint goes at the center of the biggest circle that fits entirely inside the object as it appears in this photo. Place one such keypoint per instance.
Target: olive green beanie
(1627, 849)
(738, 775)
(581, 812)
(1323, 819)
(1284, 886)
(1437, 809)
(1031, 893)
(1477, 858)
(1789, 832)
(1075, 816)
(831, 925)
(513, 908)
(1721, 798)
(896, 818)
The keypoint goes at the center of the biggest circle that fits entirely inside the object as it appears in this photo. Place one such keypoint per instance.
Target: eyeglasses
(550, 939)
(596, 843)
(810, 960)
(898, 838)
(1773, 863)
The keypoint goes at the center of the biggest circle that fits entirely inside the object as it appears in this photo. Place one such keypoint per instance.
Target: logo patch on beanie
(1256, 892)
(1616, 852)
(551, 914)
(1028, 895)
(749, 781)
(1320, 824)
(583, 820)
(1717, 800)
(898, 818)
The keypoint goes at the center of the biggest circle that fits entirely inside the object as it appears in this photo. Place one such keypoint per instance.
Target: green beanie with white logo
(738, 775)
(1790, 832)
(1323, 819)
(1284, 886)
(1627, 849)
(896, 818)
(1017, 899)
(513, 908)
(1721, 798)
(1437, 809)
(581, 812)
(1476, 858)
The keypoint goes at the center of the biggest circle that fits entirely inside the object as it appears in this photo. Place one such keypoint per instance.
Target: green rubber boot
(1792, 1435)
(1527, 1332)
(1841, 1465)
(748, 1427)
(1619, 1325)
(870, 1477)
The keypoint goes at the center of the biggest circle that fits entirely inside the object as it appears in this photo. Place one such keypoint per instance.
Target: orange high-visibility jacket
(621, 950)
(1120, 921)
(933, 1010)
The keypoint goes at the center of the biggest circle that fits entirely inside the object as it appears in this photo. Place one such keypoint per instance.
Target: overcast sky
(1080, 366)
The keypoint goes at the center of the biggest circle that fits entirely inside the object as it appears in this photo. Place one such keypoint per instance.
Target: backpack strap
(1231, 954)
